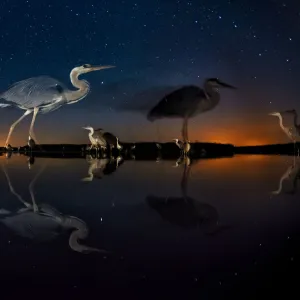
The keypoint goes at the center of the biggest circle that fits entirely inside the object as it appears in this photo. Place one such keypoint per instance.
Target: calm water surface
(207, 230)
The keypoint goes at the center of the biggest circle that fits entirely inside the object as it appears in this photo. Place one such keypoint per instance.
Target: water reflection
(288, 183)
(101, 167)
(185, 211)
(43, 222)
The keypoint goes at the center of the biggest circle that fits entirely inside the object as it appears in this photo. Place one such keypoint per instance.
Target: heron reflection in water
(185, 211)
(43, 222)
(290, 176)
(101, 167)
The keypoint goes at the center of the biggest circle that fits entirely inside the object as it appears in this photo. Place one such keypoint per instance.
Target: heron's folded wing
(35, 92)
(177, 103)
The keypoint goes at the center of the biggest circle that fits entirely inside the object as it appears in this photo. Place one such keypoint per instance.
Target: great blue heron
(184, 147)
(289, 131)
(188, 102)
(44, 94)
(43, 222)
(96, 138)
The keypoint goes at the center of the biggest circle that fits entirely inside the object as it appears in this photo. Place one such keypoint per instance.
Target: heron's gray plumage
(44, 92)
(181, 103)
(110, 139)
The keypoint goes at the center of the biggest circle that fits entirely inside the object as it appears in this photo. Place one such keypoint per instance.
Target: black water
(227, 239)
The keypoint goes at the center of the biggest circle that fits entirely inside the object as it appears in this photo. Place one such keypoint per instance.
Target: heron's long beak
(98, 68)
(223, 84)
(85, 128)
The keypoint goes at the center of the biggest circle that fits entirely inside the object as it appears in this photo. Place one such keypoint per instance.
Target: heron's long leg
(12, 190)
(12, 127)
(31, 132)
(31, 187)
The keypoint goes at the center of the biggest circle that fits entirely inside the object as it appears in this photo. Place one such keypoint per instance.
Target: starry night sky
(155, 45)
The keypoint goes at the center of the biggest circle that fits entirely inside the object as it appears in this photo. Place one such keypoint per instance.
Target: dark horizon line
(211, 143)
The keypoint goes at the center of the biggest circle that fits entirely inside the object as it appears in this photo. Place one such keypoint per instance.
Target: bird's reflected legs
(12, 127)
(31, 186)
(12, 190)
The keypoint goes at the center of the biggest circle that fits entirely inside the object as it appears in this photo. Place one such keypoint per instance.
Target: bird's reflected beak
(223, 84)
(98, 68)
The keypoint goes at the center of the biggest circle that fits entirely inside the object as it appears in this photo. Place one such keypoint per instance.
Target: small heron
(96, 138)
(184, 147)
(44, 94)
(289, 131)
(188, 102)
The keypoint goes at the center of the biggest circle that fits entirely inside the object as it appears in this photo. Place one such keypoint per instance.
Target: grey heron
(289, 131)
(188, 102)
(43, 222)
(44, 94)
(96, 138)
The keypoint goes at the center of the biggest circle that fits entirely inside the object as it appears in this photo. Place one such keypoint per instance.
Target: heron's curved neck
(281, 122)
(91, 132)
(212, 93)
(82, 85)
(296, 120)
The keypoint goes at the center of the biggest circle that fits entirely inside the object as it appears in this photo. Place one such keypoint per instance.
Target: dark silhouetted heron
(188, 102)
(44, 94)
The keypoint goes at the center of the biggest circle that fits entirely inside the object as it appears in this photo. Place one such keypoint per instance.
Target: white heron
(96, 138)
(188, 102)
(289, 131)
(44, 94)
(43, 222)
